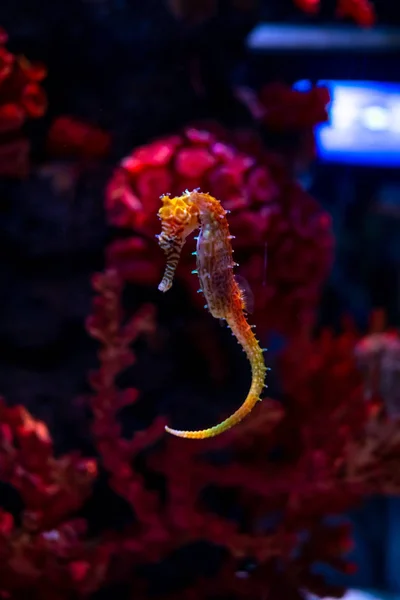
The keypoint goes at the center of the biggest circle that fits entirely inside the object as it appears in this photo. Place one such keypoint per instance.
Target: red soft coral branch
(160, 528)
(363, 448)
(50, 488)
(361, 11)
(46, 554)
(322, 469)
(21, 98)
(336, 449)
(50, 565)
(106, 325)
(291, 489)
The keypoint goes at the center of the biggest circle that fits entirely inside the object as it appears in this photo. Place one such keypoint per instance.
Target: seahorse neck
(205, 205)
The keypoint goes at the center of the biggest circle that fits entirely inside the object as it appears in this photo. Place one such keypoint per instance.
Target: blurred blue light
(270, 37)
(364, 125)
(353, 594)
(304, 85)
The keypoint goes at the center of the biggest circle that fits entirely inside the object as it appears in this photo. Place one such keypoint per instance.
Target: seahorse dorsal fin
(246, 292)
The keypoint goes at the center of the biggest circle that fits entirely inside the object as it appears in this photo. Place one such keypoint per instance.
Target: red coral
(20, 85)
(50, 488)
(283, 502)
(364, 445)
(283, 239)
(159, 528)
(14, 158)
(21, 98)
(280, 109)
(11, 117)
(106, 325)
(308, 6)
(378, 356)
(46, 555)
(333, 450)
(325, 369)
(361, 11)
(287, 109)
(71, 137)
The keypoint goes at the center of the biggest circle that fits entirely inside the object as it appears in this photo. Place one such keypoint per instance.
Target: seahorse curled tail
(246, 338)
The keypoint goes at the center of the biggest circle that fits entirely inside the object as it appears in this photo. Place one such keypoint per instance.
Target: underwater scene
(200, 299)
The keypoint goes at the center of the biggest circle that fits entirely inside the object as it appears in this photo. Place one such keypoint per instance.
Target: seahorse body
(225, 300)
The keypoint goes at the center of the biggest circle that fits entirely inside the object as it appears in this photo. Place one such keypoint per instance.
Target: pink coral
(283, 238)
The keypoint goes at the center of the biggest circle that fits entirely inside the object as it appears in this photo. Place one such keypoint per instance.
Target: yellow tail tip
(176, 432)
(192, 435)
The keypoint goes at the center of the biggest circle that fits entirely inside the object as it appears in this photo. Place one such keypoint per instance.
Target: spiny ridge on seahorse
(180, 216)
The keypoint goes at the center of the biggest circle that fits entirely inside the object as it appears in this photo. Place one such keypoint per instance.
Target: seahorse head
(179, 217)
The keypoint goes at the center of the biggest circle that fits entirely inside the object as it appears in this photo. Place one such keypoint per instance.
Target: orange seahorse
(180, 216)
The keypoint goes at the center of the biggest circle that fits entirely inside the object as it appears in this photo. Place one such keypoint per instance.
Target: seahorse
(180, 216)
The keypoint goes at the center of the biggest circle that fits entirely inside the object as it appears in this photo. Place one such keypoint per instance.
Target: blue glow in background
(364, 127)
